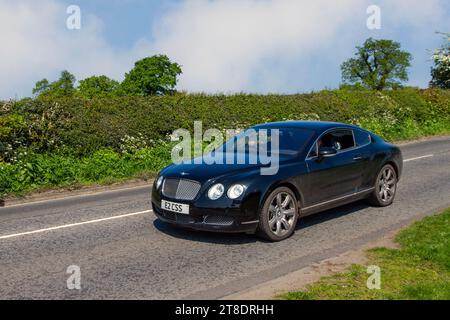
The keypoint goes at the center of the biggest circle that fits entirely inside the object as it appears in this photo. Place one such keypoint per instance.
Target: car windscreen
(291, 141)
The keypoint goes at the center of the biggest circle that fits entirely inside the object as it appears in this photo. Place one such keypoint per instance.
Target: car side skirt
(336, 202)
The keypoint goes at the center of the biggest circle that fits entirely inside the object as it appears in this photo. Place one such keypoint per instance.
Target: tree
(151, 76)
(41, 87)
(377, 65)
(64, 86)
(97, 86)
(440, 72)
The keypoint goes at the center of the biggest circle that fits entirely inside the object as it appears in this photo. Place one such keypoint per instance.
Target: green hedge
(88, 125)
(53, 142)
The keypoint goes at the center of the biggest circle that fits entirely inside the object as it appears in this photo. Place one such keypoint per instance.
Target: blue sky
(262, 46)
(126, 21)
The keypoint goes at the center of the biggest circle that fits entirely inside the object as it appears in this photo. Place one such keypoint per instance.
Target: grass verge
(38, 172)
(420, 269)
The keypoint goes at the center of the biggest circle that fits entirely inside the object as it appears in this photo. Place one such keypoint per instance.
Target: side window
(362, 138)
(341, 139)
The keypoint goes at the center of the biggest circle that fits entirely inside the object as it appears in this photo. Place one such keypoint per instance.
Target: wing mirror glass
(327, 152)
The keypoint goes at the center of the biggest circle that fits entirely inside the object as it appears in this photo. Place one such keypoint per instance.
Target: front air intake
(218, 220)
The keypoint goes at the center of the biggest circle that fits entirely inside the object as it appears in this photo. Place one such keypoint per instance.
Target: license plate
(175, 207)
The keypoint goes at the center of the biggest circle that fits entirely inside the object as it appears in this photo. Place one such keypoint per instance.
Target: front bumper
(237, 217)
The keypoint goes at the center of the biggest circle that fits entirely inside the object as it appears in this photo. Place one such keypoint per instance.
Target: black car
(321, 165)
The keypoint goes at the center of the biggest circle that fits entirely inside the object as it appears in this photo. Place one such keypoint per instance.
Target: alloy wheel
(387, 184)
(282, 214)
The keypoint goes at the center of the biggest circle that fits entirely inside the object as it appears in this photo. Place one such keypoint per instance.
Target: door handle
(358, 157)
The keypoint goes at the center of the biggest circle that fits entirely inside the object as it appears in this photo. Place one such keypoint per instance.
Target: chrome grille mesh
(180, 189)
(219, 220)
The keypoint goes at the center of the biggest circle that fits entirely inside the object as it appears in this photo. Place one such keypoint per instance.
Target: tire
(278, 217)
(385, 187)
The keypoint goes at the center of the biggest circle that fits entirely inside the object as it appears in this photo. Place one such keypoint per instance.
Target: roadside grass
(40, 172)
(419, 270)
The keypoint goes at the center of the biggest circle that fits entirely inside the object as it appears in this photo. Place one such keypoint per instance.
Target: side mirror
(327, 152)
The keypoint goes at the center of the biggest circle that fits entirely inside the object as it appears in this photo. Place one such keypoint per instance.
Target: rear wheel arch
(380, 166)
(394, 165)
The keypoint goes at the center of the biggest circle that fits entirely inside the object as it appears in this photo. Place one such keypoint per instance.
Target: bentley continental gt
(321, 165)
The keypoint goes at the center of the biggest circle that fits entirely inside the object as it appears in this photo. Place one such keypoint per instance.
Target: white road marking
(131, 188)
(71, 225)
(81, 195)
(417, 158)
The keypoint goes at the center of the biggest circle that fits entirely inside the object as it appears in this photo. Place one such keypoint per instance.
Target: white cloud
(37, 44)
(223, 45)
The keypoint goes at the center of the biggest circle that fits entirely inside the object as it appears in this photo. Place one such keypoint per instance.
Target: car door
(336, 176)
(364, 154)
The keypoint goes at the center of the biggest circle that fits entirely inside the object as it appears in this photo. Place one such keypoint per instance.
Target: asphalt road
(124, 252)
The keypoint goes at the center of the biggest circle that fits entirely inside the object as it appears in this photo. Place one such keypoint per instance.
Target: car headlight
(235, 191)
(159, 182)
(216, 191)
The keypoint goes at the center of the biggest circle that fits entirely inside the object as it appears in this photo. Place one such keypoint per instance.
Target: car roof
(312, 125)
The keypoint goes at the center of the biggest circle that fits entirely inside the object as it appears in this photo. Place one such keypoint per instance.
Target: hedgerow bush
(48, 142)
(87, 125)
(38, 171)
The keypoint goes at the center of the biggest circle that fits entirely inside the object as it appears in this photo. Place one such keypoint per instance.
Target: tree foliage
(377, 65)
(440, 72)
(97, 86)
(41, 87)
(154, 75)
(63, 87)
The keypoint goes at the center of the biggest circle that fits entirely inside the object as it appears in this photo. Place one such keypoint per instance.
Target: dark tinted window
(362, 138)
(339, 139)
(290, 140)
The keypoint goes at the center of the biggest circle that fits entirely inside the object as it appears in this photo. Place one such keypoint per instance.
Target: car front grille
(180, 189)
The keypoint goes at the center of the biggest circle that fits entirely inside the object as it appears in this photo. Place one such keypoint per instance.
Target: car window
(313, 152)
(290, 141)
(362, 138)
(341, 139)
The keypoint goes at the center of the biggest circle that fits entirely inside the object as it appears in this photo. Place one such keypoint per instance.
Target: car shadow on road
(204, 236)
(242, 238)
